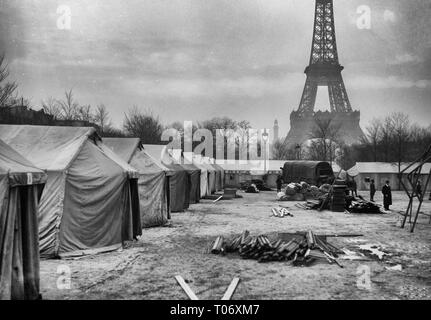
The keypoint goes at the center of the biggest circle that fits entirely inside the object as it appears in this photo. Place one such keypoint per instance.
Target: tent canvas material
(203, 184)
(153, 186)
(179, 185)
(90, 201)
(193, 172)
(194, 181)
(21, 184)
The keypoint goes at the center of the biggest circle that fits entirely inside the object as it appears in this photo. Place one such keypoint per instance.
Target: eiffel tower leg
(338, 96)
(308, 98)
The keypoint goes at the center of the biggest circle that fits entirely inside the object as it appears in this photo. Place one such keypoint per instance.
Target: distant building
(380, 172)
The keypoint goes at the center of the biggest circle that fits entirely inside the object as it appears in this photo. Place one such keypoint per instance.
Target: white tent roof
(49, 148)
(55, 148)
(385, 167)
(256, 167)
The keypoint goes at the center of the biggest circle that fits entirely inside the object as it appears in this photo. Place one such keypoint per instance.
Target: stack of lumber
(313, 204)
(360, 205)
(281, 212)
(303, 249)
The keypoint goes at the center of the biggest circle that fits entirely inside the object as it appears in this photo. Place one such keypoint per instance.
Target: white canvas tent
(20, 186)
(153, 180)
(90, 201)
(179, 184)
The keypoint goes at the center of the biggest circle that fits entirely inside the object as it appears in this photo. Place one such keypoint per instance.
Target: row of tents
(65, 191)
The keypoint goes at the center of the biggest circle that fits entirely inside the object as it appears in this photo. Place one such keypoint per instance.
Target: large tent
(21, 184)
(194, 174)
(194, 181)
(153, 180)
(90, 202)
(179, 182)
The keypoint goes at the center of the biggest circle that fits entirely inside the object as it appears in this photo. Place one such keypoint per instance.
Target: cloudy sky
(196, 59)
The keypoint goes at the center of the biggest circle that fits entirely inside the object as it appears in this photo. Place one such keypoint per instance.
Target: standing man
(387, 195)
(372, 190)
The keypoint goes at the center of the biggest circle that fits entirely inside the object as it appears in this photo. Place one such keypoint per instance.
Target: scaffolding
(413, 173)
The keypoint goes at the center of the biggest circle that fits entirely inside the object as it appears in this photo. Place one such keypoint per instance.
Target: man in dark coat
(387, 195)
(372, 190)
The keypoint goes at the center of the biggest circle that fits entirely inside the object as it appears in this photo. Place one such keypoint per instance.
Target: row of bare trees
(69, 108)
(393, 139)
(7, 88)
(323, 144)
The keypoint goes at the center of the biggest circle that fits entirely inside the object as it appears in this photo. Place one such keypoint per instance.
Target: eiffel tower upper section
(324, 68)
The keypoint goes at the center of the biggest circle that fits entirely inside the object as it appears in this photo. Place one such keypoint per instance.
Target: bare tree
(84, 113)
(52, 107)
(7, 89)
(101, 117)
(324, 139)
(374, 131)
(144, 125)
(386, 138)
(400, 124)
(69, 106)
(234, 130)
(281, 151)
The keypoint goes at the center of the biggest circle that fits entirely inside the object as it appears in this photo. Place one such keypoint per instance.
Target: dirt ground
(145, 269)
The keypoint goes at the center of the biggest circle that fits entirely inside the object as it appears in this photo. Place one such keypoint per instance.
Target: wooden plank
(230, 291)
(218, 199)
(186, 288)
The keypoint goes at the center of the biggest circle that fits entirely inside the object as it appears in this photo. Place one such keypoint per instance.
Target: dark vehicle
(313, 172)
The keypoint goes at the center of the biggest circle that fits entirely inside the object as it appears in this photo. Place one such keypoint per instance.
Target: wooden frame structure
(413, 172)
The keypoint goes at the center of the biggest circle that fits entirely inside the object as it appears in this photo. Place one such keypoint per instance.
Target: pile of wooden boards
(360, 205)
(281, 212)
(302, 249)
(313, 204)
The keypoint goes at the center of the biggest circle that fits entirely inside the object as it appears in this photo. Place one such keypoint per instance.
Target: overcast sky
(196, 59)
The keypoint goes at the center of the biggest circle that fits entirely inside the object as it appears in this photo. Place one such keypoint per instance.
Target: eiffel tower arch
(324, 70)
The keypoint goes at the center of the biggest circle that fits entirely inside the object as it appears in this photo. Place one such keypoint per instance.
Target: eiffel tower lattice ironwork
(324, 68)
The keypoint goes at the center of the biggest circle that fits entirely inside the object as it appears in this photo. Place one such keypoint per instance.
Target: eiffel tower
(324, 69)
